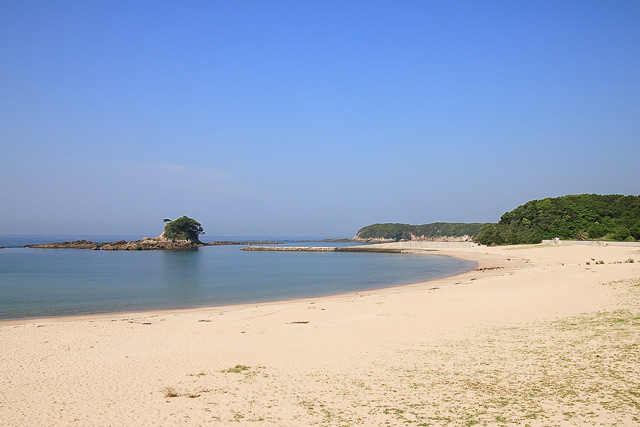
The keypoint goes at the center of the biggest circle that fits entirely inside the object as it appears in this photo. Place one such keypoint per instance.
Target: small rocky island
(181, 234)
(146, 244)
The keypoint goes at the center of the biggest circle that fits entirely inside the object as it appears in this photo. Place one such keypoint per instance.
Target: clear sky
(310, 118)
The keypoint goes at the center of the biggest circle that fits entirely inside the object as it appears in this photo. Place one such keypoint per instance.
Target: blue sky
(310, 118)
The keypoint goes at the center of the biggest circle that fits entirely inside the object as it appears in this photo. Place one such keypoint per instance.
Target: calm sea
(62, 282)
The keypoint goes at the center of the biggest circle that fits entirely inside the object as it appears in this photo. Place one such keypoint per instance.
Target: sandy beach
(533, 336)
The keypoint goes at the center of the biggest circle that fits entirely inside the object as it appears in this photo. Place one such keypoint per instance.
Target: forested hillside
(433, 231)
(581, 217)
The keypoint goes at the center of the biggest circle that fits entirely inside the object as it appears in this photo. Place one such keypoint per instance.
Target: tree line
(397, 232)
(572, 217)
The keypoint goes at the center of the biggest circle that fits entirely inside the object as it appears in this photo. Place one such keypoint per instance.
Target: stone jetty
(411, 247)
(290, 248)
(368, 248)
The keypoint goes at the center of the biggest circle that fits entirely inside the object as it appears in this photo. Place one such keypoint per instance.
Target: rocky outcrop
(150, 244)
(75, 244)
(146, 244)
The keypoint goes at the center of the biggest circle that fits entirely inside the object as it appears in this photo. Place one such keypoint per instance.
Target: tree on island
(183, 228)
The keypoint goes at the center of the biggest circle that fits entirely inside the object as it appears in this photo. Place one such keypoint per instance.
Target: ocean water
(61, 282)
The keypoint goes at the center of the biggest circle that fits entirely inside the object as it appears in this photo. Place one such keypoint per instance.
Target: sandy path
(534, 336)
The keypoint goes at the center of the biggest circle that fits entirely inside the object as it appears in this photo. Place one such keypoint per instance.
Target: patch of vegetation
(183, 228)
(582, 217)
(394, 231)
(236, 369)
(170, 392)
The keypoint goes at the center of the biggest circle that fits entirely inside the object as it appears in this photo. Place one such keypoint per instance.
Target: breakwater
(290, 248)
(385, 248)
(367, 249)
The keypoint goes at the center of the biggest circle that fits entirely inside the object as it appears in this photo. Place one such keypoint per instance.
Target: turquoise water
(61, 282)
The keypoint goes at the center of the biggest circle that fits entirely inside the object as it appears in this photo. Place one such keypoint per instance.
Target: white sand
(537, 338)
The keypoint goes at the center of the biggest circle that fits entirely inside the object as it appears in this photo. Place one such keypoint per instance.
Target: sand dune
(533, 336)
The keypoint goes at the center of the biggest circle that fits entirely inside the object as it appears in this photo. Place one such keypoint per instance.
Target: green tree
(578, 216)
(183, 228)
(394, 231)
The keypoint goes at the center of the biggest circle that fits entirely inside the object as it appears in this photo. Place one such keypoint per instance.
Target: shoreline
(169, 311)
(525, 338)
